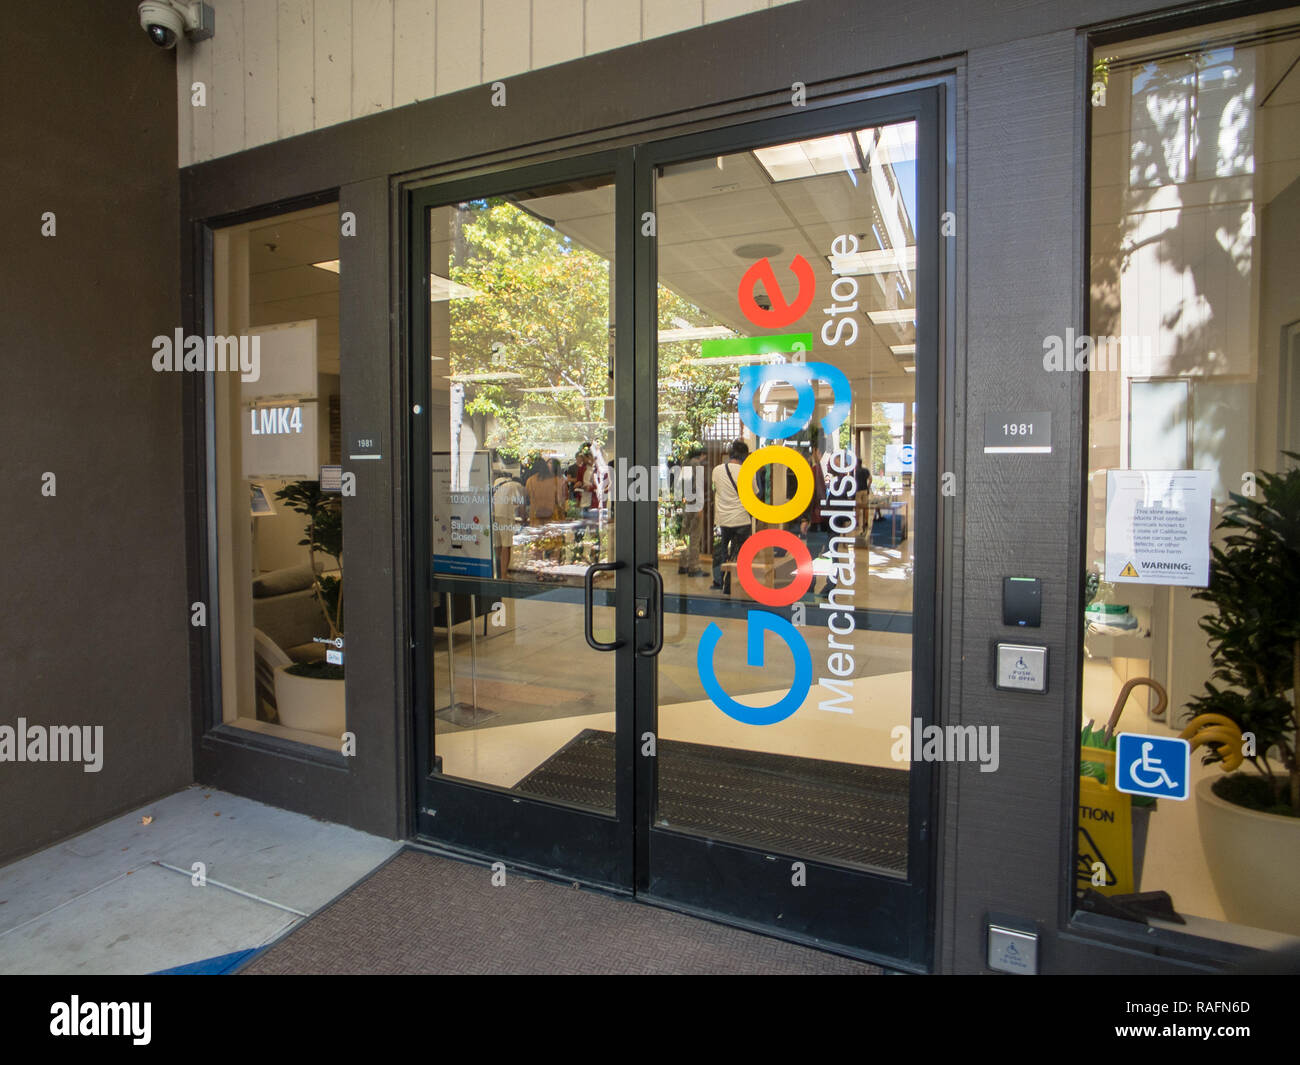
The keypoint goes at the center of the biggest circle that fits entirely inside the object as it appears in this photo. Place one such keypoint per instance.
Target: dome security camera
(165, 20)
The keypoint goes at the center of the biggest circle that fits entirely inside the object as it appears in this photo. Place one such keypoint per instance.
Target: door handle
(653, 573)
(588, 594)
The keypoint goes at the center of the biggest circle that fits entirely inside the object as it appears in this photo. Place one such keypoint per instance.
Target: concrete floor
(121, 898)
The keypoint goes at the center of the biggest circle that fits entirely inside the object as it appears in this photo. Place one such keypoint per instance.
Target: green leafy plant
(323, 534)
(1255, 633)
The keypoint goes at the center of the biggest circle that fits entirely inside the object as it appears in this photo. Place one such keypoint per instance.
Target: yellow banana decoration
(1218, 731)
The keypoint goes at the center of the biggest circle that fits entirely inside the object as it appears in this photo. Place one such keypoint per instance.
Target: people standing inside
(689, 487)
(584, 480)
(601, 482)
(561, 489)
(508, 502)
(862, 500)
(729, 515)
(812, 524)
(542, 493)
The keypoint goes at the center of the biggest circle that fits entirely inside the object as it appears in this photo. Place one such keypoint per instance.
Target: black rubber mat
(797, 806)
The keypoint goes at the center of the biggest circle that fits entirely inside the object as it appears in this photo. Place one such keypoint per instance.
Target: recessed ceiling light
(909, 369)
(504, 375)
(882, 261)
(903, 349)
(804, 159)
(442, 288)
(734, 360)
(694, 332)
(896, 143)
(893, 317)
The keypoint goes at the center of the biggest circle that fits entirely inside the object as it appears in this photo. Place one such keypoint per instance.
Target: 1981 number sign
(1028, 433)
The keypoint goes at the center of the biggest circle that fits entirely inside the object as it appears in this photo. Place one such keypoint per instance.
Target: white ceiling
(707, 211)
(283, 284)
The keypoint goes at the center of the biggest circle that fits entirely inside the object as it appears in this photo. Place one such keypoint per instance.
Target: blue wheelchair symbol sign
(1160, 766)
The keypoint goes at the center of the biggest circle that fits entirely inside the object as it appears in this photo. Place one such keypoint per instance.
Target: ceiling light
(904, 315)
(441, 288)
(883, 261)
(694, 332)
(909, 369)
(332, 265)
(733, 360)
(803, 159)
(903, 349)
(504, 375)
(896, 144)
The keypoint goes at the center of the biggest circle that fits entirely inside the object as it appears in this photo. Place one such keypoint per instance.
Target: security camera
(165, 20)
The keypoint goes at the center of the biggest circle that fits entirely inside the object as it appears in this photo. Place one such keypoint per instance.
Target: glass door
(788, 314)
(674, 434)
(523, 682)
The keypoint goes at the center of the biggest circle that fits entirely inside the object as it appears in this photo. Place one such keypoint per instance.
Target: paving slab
(142, 921)
(99, 884)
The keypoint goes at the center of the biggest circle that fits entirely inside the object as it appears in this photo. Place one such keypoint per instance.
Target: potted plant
(310, 695)
(1250, 821)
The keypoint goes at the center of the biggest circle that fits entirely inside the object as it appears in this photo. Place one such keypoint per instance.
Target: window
(1192, 615)
(279, 480)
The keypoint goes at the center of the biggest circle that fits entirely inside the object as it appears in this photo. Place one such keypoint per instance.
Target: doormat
(425, 914)
(800, 806)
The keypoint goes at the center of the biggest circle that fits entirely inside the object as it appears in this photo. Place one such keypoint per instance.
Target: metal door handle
(653, 573)
(588, 594)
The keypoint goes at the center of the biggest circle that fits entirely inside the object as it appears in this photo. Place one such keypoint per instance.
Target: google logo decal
(801, 376)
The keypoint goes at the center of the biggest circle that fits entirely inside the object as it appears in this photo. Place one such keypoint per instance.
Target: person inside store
(584, 480)
(561, 488)
(862, 500)
(812, 523)
(508, 503)
(544, 493)
(730, 518)
(689, 477)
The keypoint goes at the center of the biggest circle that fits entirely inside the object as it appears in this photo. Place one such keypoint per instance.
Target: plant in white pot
(1250, 822)
(310, 695)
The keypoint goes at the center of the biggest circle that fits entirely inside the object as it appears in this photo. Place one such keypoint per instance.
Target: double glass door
(674, 433)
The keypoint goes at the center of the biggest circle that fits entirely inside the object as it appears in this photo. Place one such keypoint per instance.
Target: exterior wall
(1017, 273)
(274, 70)
(93, 629)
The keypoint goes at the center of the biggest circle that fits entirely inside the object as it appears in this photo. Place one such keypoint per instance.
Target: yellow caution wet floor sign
(1104, 851)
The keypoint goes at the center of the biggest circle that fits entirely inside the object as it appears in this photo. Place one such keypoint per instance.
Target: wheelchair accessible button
(1160, 766)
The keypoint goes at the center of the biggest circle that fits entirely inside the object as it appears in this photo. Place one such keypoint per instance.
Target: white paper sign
(1158, 526)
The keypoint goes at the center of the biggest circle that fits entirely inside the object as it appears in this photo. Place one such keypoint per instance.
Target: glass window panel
(827, 778)
(524, 458)
(278, 473)
(1193, 237)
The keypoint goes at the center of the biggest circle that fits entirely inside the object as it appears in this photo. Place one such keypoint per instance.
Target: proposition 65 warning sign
(1158, 526)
